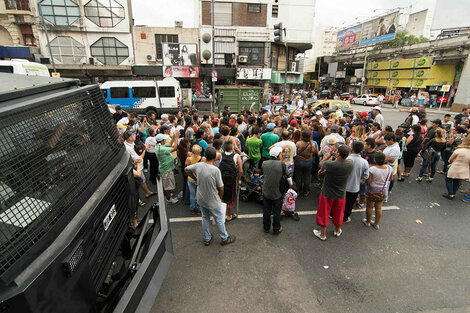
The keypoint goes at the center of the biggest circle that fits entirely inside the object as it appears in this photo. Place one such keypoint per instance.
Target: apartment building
(245, 52)
(18, 32)
(88, 39)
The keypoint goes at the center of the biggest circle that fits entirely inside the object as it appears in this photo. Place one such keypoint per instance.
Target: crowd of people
(274, 156)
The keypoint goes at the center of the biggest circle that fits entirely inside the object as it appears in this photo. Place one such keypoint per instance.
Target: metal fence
(52, 149)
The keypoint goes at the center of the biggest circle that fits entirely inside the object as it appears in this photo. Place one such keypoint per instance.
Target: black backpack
(228, 169)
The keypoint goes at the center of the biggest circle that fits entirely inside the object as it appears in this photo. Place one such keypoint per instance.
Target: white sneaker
(364, 221)
(347, 221)
(317, 234)
(338, 234)
(172, 201)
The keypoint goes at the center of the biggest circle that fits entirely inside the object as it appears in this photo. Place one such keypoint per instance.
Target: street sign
(214, 76)
(445, 88)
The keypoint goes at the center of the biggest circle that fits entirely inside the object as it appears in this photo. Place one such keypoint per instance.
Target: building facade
(17, 27)
(88, 39)
(245, 52)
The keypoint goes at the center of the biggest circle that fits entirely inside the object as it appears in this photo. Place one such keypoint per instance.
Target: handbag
(284, 186)
(379, 195)
(428, 154)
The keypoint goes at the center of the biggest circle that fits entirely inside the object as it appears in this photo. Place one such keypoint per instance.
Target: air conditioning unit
(151, 57)
(293, 67)
(242, 59)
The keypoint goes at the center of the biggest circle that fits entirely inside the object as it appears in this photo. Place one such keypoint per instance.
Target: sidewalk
(443, 110)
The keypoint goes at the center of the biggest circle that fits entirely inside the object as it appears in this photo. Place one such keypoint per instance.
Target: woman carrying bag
(458, 170)
(379, 175)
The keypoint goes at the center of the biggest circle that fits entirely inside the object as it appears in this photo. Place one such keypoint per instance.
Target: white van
(144, 96)
(24, 67)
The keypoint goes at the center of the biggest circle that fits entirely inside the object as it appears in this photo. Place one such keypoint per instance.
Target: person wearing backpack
(230, 167)
(274, 170)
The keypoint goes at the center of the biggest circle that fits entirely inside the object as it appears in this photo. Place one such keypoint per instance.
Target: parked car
(348, 96)
(365, 99)
(329, 106)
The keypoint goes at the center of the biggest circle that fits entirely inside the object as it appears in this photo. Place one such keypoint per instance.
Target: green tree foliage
(401, 39)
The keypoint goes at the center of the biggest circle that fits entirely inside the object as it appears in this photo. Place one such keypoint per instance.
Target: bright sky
(328, 12)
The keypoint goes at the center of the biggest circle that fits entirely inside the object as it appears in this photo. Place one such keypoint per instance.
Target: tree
(401, 39)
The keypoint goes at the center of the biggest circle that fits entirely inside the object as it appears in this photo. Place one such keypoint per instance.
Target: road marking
(260, 215)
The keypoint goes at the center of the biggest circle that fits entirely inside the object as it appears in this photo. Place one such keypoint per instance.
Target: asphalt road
(419, 260)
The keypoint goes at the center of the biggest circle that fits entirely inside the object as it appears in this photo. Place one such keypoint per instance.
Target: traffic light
(278, 33)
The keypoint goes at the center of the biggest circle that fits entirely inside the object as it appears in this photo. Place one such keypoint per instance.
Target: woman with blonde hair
(431, 154)
(458, 170)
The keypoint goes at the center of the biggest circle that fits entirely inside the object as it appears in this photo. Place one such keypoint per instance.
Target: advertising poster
(253, 73)
(181, 71)
(349, 38)
(179, 54)
(377, 30)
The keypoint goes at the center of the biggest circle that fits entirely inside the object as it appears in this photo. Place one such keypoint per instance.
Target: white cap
(319, 112)
(377, 108)
(274, 152)
(161, 137)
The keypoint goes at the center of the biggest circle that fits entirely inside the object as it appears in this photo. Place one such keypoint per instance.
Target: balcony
(17, 5)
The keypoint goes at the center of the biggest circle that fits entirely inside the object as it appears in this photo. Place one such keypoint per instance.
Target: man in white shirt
(379, 118)
(392, 153)
(129, 137)
(289, 151)
(321, 119)
(334, 134)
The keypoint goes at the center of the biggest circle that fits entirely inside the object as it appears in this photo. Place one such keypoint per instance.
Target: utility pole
(363, 80)
(285, 74)
(213, 54)
(47, 36)
(279, 33)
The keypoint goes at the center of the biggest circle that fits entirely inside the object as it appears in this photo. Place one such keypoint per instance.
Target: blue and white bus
(141, 96)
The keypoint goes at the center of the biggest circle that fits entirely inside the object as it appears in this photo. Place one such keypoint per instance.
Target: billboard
(377, 30)
(179, 54)
(181, 71)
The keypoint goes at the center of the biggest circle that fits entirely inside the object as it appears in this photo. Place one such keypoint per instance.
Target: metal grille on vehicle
(52, 149)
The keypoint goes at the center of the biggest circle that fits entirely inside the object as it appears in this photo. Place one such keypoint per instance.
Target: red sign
(181, 71)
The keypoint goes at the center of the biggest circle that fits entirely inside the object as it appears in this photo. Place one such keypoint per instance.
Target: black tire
(365, 103)
(244, 198)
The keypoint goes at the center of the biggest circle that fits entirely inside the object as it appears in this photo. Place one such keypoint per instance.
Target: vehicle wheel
(244, 198)
(365, 103)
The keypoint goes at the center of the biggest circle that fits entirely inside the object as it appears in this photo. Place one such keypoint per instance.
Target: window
(6, 69)
(222, 14)
(143, 92)
(254, 51)
(60, 12)
(166, 92)
(104, 13)
(254, 8)
(119, 92)
(275, 10)
(67, 50)
(17, 5)
(109, 50)
(162, 38)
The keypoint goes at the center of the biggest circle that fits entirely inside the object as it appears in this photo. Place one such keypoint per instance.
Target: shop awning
(15, 52)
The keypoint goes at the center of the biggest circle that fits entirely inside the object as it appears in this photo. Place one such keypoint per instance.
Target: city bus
(140, 96)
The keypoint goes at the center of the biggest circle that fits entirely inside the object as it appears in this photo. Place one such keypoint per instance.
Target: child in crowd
(288, 205)
(256, 176)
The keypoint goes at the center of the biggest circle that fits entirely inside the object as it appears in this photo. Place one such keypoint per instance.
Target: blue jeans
(219, 220)
(275, 205)
(194, 206)
(452, 185)
(433, 164)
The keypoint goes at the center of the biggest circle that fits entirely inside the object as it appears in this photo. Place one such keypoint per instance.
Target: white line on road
(260, 215)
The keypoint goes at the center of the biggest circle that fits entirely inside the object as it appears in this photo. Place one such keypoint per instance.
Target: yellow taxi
(328, 106)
